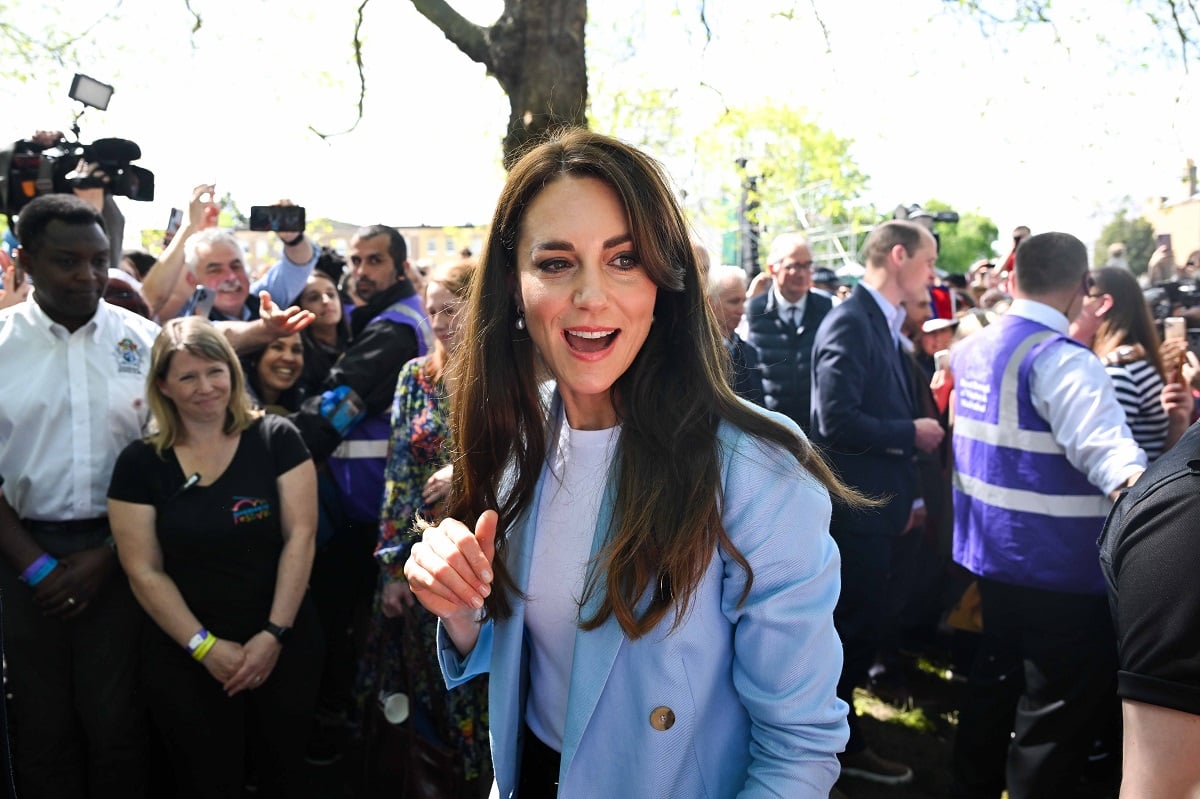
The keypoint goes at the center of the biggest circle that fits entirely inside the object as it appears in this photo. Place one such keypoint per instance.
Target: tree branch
(199, 22)
(362, 78)
(1180, 32)
(464, 34)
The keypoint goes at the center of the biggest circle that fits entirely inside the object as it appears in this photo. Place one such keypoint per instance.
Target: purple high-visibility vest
(357, 464)
(1022, 513)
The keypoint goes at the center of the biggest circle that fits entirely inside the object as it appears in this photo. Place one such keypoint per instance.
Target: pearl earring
(520, 323)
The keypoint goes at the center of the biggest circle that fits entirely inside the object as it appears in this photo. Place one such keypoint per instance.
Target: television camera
(50, 163)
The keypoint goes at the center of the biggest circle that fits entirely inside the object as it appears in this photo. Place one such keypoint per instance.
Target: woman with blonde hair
(214, 516)
(639, 559)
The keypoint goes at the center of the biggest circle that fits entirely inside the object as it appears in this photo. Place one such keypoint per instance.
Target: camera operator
(96, 196)
(250, 315)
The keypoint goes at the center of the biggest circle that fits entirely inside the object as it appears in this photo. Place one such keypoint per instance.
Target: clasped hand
(239, 667)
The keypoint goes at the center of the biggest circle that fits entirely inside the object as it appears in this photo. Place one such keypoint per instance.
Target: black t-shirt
(1150, 554)
(220, 543)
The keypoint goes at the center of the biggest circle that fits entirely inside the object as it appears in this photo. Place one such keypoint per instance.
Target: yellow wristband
(202, 650)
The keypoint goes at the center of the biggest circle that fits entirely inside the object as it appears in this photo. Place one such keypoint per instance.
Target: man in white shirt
(1040, 446)
(72, 397)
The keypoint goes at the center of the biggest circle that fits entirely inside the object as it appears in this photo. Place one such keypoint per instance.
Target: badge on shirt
(129, 357)
(250, 509)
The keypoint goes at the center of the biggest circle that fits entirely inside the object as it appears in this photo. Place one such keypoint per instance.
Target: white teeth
(589, 333)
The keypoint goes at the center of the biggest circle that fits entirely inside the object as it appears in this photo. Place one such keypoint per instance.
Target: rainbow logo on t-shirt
(250, 509)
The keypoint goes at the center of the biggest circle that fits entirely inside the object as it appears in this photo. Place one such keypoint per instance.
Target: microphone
(120, 151)
(188, 483)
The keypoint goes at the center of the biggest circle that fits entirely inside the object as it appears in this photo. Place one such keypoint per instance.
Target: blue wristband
(39, 570)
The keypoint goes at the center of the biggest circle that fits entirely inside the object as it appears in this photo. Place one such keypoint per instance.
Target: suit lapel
(507, 691)
(888, 346)
(595, 650)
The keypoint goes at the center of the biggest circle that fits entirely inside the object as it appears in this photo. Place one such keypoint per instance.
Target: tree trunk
(536, 51)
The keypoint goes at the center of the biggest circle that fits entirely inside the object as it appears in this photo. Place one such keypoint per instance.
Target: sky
(1050, 127)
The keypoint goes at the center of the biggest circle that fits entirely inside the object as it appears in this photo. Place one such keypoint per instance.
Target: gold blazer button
(662, 718)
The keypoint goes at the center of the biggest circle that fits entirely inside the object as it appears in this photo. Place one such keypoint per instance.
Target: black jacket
(370, 366)
(785, 354)
(747, 376)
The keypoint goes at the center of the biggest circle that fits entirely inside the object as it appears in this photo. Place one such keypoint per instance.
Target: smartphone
(277, 218)
(200, 303)
(941, 359)
(173, 223)
(1175, 328)
(1163, 240)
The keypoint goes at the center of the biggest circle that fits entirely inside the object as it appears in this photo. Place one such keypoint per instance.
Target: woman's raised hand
(450, 569)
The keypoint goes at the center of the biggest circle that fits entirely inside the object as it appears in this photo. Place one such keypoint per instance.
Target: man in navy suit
(867, 420)
(783, 324)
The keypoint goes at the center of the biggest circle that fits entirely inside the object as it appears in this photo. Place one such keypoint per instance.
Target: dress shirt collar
(1041, 313)
(782, 305)
(92, 327)
(893, 315)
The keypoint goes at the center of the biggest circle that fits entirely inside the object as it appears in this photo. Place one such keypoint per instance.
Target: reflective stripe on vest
(1007, 432)
(1017, 499)
(362, 449)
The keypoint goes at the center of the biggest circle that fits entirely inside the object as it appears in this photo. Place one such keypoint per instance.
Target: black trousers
(208, 734)
(1044, 672)
(78, 722)
(860, 613)
(539, 769)
(343, 580)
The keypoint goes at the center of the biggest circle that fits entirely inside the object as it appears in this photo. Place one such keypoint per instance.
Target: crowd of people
(585, 516)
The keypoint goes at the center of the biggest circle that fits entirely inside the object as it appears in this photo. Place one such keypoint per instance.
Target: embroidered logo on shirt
(250, 509)
(129, 357)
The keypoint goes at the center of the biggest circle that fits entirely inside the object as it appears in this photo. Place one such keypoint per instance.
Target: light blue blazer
(750, 687)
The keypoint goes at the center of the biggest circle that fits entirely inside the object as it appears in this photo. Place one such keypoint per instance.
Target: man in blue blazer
(783, 324)
(865, 418)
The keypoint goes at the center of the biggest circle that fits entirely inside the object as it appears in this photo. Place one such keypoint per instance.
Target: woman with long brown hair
(1115, 323)
(640, 559)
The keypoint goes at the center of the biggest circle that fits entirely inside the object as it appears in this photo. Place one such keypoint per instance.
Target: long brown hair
(667, 519)
(199, 337)
(1128, 321)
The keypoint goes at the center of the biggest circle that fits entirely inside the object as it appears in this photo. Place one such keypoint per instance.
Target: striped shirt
(1139, 390)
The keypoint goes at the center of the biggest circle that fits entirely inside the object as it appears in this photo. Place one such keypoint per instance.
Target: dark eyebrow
(615, 241)
(553, 245)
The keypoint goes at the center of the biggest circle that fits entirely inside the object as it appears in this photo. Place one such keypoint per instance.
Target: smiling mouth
(589, 341)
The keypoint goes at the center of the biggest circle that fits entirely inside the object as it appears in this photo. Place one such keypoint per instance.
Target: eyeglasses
(797, 266)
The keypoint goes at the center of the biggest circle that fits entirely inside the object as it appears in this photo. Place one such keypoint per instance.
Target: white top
(1070, 389)
(562, 545)
(69, 403)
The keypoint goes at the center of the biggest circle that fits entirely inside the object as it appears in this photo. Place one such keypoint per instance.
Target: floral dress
(420, 427)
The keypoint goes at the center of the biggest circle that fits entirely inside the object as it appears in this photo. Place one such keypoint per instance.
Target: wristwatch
(281, 633)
